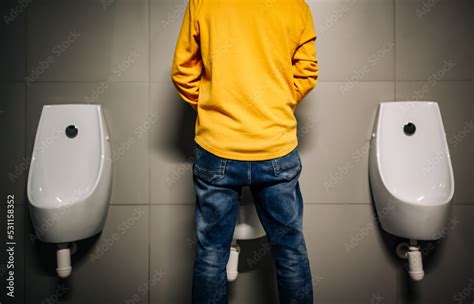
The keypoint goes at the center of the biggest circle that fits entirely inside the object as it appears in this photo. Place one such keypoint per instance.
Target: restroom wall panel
(351, 260)
(12, 40)
(128, 119)
(13, 163)
(434, 39)
(166, 17)
(455, 100)
(88, 40)
(108, 268)
(171, 147)
(335, 125)
(449, 271)
(172, 247)
(355, 39)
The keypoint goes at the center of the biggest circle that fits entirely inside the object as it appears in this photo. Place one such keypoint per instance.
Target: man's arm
(187, 64)
(305, 63)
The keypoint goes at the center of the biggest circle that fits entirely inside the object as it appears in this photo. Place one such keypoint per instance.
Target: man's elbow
(313, 79)
(313, 82)
(174, 75)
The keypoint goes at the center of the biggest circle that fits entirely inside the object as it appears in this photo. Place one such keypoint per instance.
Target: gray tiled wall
(118, 53)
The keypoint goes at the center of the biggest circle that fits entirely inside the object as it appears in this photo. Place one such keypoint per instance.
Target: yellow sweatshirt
(244, 65)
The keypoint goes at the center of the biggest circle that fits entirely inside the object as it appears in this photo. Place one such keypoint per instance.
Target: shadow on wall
(257, 274)
(174, 136)
(306, 125)
(180, 139)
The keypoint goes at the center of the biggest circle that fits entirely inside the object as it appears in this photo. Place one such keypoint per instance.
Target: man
(244, 66)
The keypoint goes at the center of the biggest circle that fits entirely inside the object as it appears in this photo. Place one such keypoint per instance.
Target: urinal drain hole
(71, 131)
(409, 129)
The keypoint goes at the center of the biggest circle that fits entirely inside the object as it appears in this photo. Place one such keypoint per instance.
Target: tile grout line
(309, 204)
(169, 82)
(149, 154)
(192, 204)
(25, 212)
(397, 287)
(395, 50)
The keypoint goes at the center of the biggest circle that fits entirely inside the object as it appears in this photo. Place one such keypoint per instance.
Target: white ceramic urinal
(411, 174)
(248, 227)
(70, 176)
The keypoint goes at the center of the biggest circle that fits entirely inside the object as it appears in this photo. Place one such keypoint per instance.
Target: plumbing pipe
(64, 260)
(412, 253)
(233, 262)
(415, 263)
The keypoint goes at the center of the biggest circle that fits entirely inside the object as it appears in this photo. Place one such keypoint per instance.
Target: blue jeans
(276, 192)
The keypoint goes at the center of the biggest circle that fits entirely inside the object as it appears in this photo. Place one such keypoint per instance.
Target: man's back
(245, 65)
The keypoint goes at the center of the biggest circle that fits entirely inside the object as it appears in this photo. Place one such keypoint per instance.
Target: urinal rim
(410, 101)
(103, 140)
(378, 162)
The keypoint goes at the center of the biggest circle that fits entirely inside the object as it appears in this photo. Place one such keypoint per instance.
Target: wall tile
(335, 124)
(12, 40)
(355, 39)
(434, 39)
(172, 143)
(350, 260)
(88, 41)
(13, 164)
(128, 129)
(108, 268)
(172, 254)
(165, 22)
(456, 103)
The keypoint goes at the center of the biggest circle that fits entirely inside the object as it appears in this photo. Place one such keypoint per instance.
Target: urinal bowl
(410, 170)
(248, 225)
(405, 219)
(74, 220)
(70, 176)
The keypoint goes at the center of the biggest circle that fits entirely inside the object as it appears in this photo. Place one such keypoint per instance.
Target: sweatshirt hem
(248, 156)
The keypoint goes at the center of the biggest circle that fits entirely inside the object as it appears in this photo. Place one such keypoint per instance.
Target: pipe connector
(412, 253)
(64, 260)
(415, 263)
(233, 263)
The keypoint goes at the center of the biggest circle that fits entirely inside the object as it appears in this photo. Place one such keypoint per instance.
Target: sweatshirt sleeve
(305, 63)
(187, 64)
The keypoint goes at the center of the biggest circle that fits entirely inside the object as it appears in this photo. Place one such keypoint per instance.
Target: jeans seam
(223, 166)
(275, 167)
(220, 172)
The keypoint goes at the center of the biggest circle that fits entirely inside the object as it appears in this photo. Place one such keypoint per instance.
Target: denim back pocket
(208, 166)
(287, 166)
